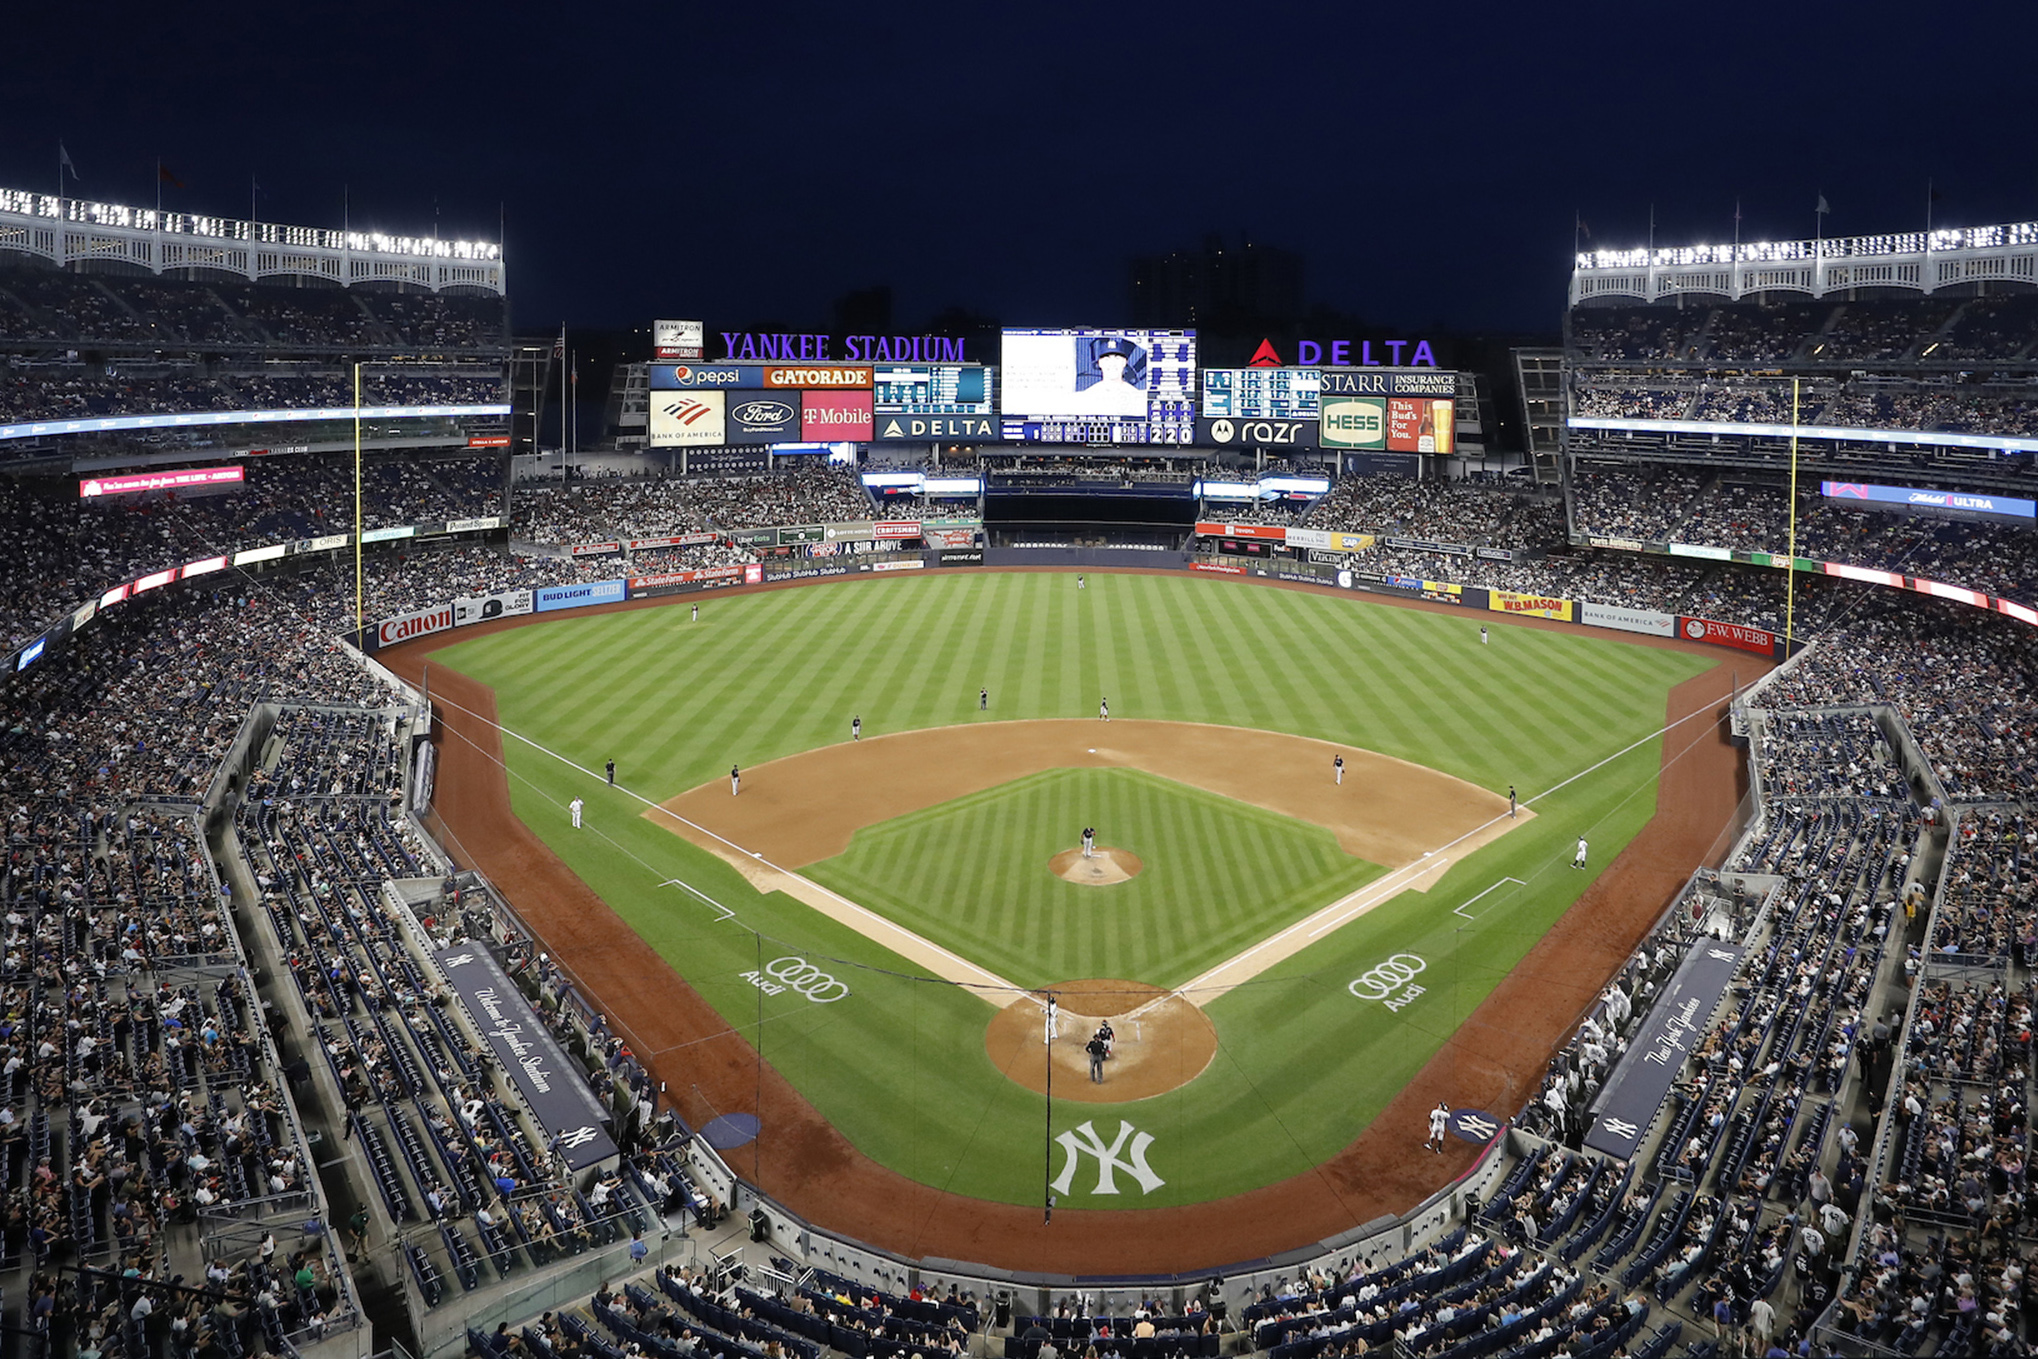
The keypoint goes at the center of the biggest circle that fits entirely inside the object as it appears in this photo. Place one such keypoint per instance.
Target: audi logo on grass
(798, 976)
(1382, 980)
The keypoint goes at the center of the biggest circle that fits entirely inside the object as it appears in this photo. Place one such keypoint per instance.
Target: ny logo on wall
(1084, 1141)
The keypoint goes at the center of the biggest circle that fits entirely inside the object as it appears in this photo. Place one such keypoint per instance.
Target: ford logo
(763, 413)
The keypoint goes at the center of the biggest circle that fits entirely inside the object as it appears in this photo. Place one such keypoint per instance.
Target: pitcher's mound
(1101, 869)
(1162, 1041)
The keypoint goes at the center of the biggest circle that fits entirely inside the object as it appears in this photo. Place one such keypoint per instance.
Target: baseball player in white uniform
(1104, 709)
(1053, 1022)
(856, 728)
(735, 780)
(574, 807)
(1339, 765)
(1578, 859)
(1089, 842)
(1482, 634)
(1439, 1124)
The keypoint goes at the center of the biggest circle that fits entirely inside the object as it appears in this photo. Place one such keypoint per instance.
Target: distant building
(1230, 289)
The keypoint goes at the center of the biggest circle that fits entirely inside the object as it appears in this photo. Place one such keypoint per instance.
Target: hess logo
(763, 413)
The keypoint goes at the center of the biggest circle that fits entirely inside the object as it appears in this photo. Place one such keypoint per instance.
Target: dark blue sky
(745, 163)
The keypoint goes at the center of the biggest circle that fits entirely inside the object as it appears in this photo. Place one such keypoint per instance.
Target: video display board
(1099, 386)
(932, 389)
(1262, 393)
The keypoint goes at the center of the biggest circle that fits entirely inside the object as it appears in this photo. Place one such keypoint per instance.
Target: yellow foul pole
(360, 633)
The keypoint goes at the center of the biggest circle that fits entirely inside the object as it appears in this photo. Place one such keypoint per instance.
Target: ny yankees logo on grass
(1084, 1141)
(1382, 980)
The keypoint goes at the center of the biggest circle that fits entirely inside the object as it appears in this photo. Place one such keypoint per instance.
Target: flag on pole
(1823, 208)
(64, 162)
(163, 175)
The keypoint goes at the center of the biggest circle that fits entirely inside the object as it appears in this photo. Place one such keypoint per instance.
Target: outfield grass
(972, 875)
(900, 1067)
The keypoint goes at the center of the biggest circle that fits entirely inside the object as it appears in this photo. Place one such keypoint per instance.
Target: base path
(1493, 1062)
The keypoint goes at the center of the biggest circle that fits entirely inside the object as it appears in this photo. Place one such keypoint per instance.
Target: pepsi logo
(682, 373)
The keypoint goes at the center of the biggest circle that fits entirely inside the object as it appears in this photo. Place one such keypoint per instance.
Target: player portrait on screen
(1110, 377)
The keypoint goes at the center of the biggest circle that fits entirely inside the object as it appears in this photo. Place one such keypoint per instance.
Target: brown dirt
(792, 812)
(1165, 1044)
(1493, 1062)
(1101, 868)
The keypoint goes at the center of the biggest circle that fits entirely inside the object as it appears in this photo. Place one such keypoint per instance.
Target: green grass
(900, 1066)
(972, 875)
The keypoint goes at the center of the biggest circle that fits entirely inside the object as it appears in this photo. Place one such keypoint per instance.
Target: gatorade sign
(1354, 423)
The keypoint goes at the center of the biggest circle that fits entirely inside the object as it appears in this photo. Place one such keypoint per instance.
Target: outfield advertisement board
(1761, 642)
(1626, 620)
(1531, 606)
(481, 608)
(707, 578)
(577, 596)
(416, 623)
(1676, 1024)
(1330, 539)
(595, 549)
(1270, 532)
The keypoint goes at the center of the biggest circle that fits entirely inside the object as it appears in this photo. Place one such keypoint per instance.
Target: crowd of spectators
(40, 305)
(31, 391)
(1441, 511)
(620, 508)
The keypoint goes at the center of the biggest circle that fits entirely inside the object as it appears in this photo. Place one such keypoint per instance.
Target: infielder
(735, 780)
(1089, 842)
(1439, 1124)
(1338, 764)
(1578, 859)
(1104, 709)
(1510, 800)
(856, 728)
(612, 773)
(574, 807)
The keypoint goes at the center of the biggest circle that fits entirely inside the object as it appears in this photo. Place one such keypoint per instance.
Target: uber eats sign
(1354, 422)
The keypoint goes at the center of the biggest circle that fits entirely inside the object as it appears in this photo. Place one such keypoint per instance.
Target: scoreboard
(933, 389)
(1262, 393)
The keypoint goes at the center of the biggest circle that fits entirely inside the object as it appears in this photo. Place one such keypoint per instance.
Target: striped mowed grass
(900, 1067)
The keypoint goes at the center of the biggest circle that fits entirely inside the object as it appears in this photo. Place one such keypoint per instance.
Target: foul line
(956, 969)
(1459, 909)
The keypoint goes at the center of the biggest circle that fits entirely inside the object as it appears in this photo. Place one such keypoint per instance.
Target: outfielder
(1439, 1123)
(735, 780)
(1510, 800)
(983, 700)
(1104, 709)
(856, 728)
(1482, 634)
(1578, 859)
(696, 613)
(1338, 764)
(574, 807)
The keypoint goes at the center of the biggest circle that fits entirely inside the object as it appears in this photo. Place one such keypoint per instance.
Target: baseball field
(881, 919)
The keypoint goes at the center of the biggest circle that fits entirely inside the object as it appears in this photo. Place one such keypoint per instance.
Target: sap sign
(579, 596)
(1354, 424)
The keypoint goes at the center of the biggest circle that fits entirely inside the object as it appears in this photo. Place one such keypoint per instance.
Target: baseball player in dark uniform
(1089, 842)
(1104, 709)
(1339, 765)
(983, 700)
(612, 773)
(856, 728)
(1510, 800)
(735, 780)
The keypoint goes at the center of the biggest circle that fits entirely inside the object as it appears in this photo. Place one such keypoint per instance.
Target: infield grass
(973, 876)
(900, 1066)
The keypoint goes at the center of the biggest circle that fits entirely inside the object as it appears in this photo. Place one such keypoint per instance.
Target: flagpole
(1790, 566)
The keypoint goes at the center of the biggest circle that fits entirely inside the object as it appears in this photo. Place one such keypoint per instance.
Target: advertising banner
(642, 584)
(595, 549)
(326, 542)
(835, 417)
(1227, 432)
(679, 540)
(949, 537)
(834, 377)
(1727, 634)
(1534, 606)
(1676, 1024)
(677, 377)
(1270, 532)
(936, 427)
(1622, 544)
(961, 556)
(185, 479)
(577, 596)
(678, 339)
(1330, 540)
(803, 533)
(898, 564)
(491, 521)
(1494, 554)
(763, 418)
(897, 528)
(416, 623)
(763, 537)
(1222, 568)
(1627, 620)
(1425, 545)
(481, 608)
(1350, 422)
(682, 419)
(859, 531)
(526, 1052)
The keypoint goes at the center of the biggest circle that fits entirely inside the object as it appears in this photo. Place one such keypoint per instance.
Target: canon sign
(420, 623)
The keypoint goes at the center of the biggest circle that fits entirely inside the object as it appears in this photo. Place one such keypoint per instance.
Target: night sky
(749, 163)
